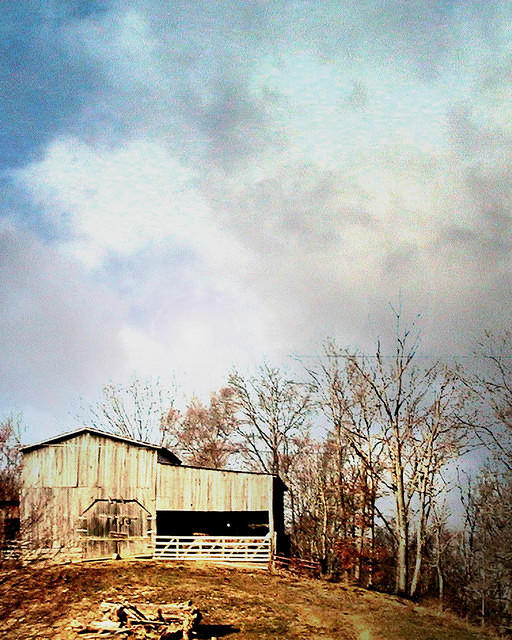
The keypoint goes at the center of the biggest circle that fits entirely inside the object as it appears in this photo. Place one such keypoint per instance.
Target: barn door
(115, 527)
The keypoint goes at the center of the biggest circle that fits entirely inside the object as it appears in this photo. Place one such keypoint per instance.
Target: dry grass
(237, 604)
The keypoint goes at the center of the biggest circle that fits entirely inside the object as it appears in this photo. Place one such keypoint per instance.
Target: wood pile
(138, 622)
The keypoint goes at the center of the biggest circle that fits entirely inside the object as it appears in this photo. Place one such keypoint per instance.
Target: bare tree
(10, 480)
(485, 545)
(410, 416)
(442, 540)
(10, 456)
(205, 433)
(354, 427)
(440, 437)
(327, 513)
(492, 387)
(142, 410)
(272, 420)
(273, 414)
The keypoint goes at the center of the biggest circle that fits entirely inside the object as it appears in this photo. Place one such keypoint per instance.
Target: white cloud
(198, 335)
(108, 200)
(59, 331)
(246, 183)
(118, 201)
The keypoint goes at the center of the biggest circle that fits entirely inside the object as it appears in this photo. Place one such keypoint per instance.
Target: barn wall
(187, 488)
(60, 481)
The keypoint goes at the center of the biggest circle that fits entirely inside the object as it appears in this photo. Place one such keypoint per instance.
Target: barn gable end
(62, 478)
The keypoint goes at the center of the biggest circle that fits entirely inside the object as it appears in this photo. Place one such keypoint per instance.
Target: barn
(97, 494)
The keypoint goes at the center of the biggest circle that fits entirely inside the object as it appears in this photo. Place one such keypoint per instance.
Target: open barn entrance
(227, 536)
(212, 523)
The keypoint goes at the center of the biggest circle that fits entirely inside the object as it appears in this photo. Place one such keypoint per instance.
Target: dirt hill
(237, 604)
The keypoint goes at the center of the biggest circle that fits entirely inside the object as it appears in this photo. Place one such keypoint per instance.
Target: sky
(188, 187)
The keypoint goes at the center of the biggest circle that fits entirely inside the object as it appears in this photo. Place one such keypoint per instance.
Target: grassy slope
(238, 604)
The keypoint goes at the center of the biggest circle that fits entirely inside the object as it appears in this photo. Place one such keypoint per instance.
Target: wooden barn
(97, 495)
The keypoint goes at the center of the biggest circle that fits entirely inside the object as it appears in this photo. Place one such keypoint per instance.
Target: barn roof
(167, 454)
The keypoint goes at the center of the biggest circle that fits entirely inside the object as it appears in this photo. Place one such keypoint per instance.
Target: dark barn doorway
(212, 523)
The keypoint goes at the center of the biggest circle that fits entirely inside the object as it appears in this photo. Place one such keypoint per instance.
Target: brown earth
(237, 604)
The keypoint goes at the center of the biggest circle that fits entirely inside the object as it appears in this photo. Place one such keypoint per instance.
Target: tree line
(371, 448)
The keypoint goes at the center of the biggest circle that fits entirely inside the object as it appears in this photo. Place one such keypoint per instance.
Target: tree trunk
(360, 544)
(440, 582)
(417, 563)
(371, 565)
(420, 536)
(482, 599)
(325, 563)
(402, 532)
(402, 562)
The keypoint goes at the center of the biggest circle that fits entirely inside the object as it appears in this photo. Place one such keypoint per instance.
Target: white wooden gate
(216, 548)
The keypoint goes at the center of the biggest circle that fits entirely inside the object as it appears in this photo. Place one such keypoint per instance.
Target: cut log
(102, 625)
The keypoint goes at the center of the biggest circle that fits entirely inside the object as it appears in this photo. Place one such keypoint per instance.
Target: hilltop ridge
(237, 604)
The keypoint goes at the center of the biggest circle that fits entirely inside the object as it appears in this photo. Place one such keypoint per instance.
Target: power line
(394, 356)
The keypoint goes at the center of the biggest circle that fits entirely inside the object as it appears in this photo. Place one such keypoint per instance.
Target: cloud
(59, 332)
(119, 201)
(177, 75)
(45, 79)
(136, 219)
(238, 179)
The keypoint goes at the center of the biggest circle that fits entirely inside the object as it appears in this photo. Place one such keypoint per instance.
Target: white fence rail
(220, 548)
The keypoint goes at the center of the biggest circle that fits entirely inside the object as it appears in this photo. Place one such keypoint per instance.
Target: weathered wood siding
(91, 461)
(192, 489)
(61, 480)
